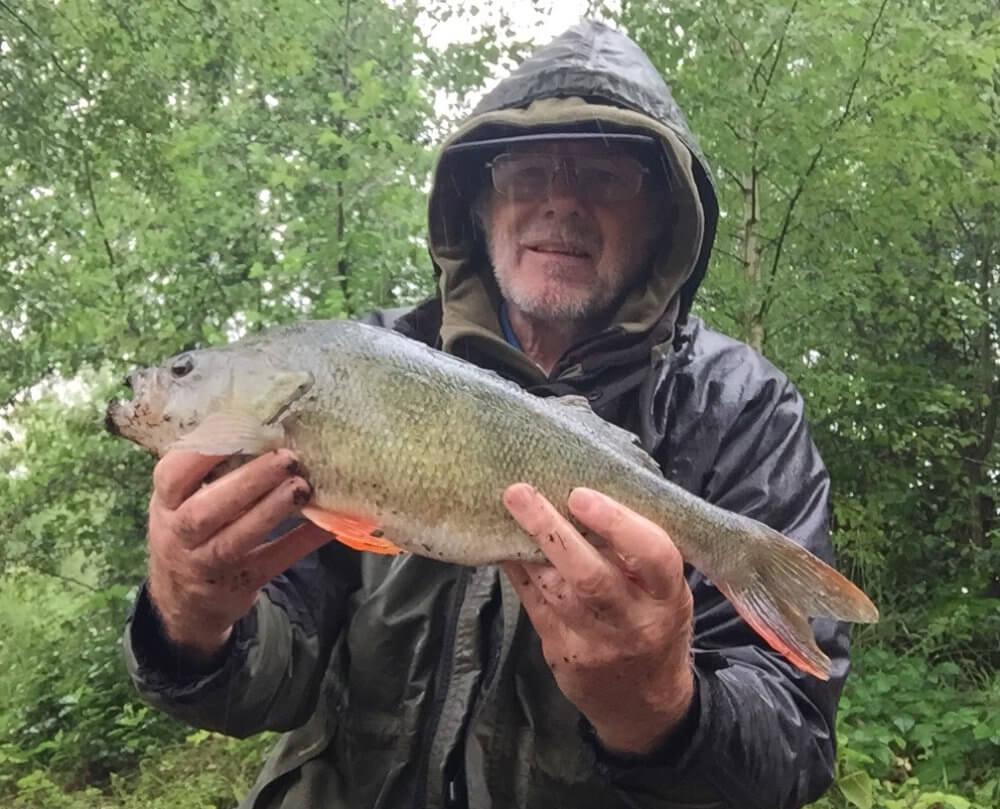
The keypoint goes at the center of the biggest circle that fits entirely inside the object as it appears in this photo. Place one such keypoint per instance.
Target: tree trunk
(754, 324)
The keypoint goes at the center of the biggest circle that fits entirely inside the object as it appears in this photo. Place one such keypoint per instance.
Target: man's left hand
(615, 622)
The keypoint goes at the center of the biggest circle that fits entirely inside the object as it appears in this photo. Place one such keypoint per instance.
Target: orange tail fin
(781, 585)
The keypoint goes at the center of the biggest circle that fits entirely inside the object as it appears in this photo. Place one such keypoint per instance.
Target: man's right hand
(207, 551)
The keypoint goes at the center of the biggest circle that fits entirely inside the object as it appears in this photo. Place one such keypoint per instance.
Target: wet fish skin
(421, 445)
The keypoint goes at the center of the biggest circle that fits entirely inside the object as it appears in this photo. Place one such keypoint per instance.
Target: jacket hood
(591, 78)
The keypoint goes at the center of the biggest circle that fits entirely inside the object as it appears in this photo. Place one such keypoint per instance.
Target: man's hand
(615, 623)
(207, 555)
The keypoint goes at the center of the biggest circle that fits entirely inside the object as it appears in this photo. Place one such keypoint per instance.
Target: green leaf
(857, 789)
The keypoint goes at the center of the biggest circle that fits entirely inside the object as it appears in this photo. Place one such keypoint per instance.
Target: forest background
(180, 173)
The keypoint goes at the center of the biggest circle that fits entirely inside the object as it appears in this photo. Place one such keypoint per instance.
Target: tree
(853, 146)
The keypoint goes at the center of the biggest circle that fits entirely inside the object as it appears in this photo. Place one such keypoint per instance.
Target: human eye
(597, 176)
(531, 170)
(609, 179)
(600, 180)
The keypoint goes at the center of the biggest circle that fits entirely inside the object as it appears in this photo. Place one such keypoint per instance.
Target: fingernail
(301, 495)
(292, 467)
(583, 502)
(519, 495)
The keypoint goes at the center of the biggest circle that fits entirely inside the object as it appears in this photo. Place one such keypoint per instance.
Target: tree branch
(864, 63)
(88, 177)
(716, 250)
(732, 35)
(961, 221)
(766, 299)
(777, 54)
(752, 84)
(736, 133)
(68, 579)
(738, 180)
(48, 45)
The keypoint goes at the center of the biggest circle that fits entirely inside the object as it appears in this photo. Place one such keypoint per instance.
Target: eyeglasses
(527, 177)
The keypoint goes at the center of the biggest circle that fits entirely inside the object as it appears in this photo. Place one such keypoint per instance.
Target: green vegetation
(174, 174)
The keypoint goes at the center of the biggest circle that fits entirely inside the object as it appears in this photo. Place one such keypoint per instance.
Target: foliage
(909, 731)
(203, 772)
(854, 146)
(73, 710)
(173, 175)
(179, 174)
(68, 490)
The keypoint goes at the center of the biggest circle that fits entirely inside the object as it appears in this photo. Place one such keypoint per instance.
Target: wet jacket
(407, 682)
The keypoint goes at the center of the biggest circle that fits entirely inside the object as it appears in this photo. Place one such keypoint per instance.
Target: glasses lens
(523, 177)
(608, 179)
(529, 177)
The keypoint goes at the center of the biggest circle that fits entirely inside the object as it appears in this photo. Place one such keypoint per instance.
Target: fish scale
(409, 448)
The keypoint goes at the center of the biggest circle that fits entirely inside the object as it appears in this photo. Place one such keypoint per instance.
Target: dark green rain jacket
(406, 682)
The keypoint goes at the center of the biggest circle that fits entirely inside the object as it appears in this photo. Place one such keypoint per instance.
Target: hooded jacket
(407, 682)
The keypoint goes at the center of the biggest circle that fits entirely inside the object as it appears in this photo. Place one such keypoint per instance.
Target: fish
(408, 449)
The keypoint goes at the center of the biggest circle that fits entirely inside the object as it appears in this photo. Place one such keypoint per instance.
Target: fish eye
(181, 366)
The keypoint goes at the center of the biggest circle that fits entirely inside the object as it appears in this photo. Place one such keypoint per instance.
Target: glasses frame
(564, 163)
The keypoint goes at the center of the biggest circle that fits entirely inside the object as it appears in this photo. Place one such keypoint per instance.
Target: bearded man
(570, 223)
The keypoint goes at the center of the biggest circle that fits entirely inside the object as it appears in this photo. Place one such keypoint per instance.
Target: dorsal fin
(627, 443)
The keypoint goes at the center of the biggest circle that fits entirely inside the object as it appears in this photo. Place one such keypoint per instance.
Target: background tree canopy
(180, 173)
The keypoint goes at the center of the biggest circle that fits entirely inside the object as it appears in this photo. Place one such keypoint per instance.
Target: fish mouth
(127, 418)
(111, 417)
(120, 418)
(121, 412)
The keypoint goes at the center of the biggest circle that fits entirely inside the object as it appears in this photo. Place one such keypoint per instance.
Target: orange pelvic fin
(360, 534)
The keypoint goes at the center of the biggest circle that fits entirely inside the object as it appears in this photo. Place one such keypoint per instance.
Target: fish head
(194, 399)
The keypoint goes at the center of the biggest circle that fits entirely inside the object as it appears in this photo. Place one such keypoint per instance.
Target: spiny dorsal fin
(627, 443)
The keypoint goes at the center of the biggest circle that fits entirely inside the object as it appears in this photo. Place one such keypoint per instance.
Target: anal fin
(357, 533)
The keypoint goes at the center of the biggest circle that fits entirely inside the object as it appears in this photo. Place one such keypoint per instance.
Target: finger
(178, 474)
(273, 558)
(532, 597)
(236, 540)
(540, 581)
(576, 560)
(645, 552)
(520, 580)
(223, 501)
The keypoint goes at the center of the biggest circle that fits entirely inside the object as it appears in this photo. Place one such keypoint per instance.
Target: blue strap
(508, 332)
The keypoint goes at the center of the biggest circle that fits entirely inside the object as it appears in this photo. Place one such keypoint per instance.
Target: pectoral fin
(231, 432)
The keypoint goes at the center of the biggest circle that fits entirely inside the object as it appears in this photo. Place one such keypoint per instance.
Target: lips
(560, 248)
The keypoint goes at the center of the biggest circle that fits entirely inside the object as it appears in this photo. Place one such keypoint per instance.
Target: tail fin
(783, 587)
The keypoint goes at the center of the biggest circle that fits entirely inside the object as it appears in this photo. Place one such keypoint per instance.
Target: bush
(72, 711)
(917, 735)
(206, 771)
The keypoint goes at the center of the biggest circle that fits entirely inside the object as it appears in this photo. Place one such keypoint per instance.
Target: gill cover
(249, 421)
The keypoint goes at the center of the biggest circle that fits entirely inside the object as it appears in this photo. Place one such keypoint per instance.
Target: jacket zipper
(441, 684)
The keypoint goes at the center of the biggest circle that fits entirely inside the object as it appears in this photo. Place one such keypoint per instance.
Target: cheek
(624, 235)
(502, 238)
(503, 223)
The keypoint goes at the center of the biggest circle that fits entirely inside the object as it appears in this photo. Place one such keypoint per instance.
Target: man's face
(565, 255)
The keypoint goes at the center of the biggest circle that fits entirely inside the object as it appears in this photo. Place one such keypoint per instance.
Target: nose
(563, 193)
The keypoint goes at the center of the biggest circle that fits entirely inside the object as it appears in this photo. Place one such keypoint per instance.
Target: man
(571, 220)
